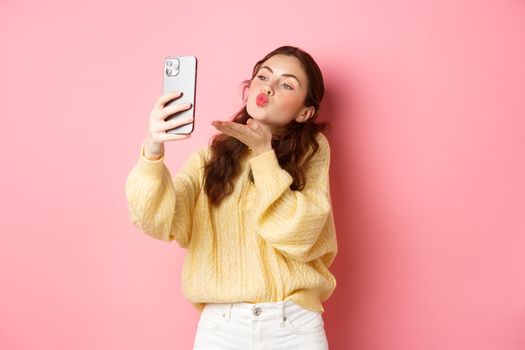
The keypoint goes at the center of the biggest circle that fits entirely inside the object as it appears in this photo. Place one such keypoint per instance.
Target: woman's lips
(261, 100)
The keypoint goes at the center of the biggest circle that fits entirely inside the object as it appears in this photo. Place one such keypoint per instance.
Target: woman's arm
(298, 223)
(160, 205)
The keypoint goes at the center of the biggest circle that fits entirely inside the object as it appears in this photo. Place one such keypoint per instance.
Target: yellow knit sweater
(263, 243)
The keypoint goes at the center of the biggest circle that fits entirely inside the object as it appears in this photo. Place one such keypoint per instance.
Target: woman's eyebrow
(284, 75)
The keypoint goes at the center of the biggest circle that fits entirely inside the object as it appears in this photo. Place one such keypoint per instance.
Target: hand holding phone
(172, 115)
(157, 135)
(180, 75)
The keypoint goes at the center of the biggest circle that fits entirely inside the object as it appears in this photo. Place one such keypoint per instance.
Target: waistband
(259, 311)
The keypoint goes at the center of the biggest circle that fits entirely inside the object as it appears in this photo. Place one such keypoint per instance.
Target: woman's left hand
(254, 134)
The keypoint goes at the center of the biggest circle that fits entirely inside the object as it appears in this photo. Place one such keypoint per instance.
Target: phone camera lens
(168, 72)
(169, 63)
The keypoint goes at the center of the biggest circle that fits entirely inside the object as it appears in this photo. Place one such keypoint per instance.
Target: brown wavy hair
(290, 147)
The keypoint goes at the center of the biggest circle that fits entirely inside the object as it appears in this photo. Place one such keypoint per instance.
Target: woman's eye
(288, 87)
(262, 77)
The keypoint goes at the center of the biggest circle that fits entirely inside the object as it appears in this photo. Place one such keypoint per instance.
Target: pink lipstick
(261, 100)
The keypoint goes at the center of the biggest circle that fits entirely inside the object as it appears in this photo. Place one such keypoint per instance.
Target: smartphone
(180, 74)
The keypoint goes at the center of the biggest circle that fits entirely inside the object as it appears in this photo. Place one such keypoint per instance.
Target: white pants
(262, 326)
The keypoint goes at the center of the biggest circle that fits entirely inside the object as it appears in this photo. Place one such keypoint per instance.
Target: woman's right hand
(154, 144)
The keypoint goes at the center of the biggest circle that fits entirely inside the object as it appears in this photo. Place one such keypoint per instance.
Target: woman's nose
(267, 90)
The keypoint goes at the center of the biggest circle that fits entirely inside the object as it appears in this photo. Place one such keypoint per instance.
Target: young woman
(252, 209)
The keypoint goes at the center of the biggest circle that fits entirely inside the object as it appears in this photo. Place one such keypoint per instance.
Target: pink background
(427, 104)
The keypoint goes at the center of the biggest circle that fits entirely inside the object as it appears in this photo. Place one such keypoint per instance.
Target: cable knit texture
(263, 243)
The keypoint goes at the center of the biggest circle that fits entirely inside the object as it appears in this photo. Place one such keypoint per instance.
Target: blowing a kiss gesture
(276, 96)
(254, 134)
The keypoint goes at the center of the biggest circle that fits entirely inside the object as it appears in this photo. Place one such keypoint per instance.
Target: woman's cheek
(252, 93)
(288, 102)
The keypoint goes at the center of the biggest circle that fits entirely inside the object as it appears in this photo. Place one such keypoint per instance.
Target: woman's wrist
(153, 150)
(262, 150)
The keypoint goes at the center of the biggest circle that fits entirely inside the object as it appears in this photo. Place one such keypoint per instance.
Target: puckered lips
(261, 100)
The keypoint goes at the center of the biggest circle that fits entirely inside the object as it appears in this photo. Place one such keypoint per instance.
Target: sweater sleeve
(162, 206)
(292, 221)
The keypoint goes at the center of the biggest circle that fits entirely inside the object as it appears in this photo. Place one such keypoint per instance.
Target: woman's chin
(256, 114)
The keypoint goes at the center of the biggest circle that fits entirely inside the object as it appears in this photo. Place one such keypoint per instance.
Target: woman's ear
(306, 113)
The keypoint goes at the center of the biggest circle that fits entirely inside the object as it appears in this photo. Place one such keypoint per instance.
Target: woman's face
(283, 85)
